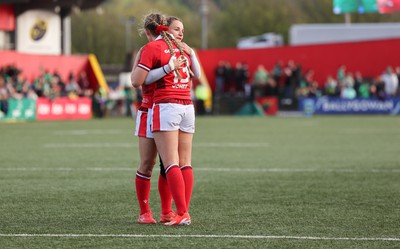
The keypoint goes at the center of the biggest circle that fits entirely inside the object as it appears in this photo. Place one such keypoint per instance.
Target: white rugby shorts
(172, 117)
(143, 124)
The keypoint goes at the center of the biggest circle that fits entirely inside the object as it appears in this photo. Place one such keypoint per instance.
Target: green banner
(22, 109)
(368, 6)
(354, 6)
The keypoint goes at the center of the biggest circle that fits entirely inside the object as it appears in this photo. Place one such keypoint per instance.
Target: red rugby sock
(187, 173)
(177, 188)
(142, 183)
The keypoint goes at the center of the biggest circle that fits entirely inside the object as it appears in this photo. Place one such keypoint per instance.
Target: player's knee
(184, 161)
(146, 171)
(146, 166)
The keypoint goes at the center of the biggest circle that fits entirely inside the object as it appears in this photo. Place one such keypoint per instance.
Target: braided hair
(169, 20)
(169, 40)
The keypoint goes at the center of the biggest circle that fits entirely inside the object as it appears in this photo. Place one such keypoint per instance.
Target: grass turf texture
(324, 177)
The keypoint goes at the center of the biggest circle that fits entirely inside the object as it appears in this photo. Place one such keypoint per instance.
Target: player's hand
(186, 48)
(176, 63)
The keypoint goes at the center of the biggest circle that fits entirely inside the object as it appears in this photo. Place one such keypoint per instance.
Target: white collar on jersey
(160, 37)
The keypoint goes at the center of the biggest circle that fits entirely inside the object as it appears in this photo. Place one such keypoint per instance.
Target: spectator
(348, 80)
(18, 83)
(260, 81)
(348, 92)
(3, 95)
(99, 102)
(306, 85)
(227, 76)
(41, 87)
(341, 73)
(84, 84)
(219, 78)
(57, 74)
(309, 77)
(28, 91)
(377, 89)
(241, 77)
(363, 90)
(331, 87)
(73, 89)
(56, 88)
(298, 75)
(271, 89)
(115, 101)
(277, 72)
(247, 85)
(291, 73)
(47, 76)
(260, 76)
(391, 82)
(303, 89)
(12, 91)
(358, 81)
(314, 90)
(61, 84)
(10, 71)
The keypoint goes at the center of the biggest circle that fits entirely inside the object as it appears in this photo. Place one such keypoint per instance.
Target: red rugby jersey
(156, 54)
(147, 95)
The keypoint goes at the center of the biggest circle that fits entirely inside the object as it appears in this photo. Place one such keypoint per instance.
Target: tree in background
(228, 20)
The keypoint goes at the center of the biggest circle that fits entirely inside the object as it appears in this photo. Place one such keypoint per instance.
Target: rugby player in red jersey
(173, 113)
(146, 145)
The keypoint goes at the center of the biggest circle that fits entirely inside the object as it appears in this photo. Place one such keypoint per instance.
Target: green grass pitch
(277, 182)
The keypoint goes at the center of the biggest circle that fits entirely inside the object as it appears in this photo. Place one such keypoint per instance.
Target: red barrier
(370, 58)
(63, 108)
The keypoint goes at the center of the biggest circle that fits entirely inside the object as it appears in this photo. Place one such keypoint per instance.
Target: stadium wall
(370, 58)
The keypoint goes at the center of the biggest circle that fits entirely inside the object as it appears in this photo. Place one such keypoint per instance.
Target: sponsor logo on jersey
(176, 50)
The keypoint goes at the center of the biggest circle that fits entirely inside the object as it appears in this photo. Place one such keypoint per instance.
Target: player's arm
(135, 63)
(195, 67)
(138, 76)
(141, 66)
(137, 58)
(158, 73)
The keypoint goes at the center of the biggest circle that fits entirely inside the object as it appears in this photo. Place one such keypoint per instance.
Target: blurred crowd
(49, 85)
(119, 99)
(289, 81)
(113, 101)
(285, 81)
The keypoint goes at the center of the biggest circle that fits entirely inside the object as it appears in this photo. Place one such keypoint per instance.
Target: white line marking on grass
(294, 170)
(134, 144)
(91, 145)
(87, 132)
(241, 170)
(202, 236)
(231, 145)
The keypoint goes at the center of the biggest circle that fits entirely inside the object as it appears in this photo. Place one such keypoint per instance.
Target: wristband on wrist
(164, 69)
